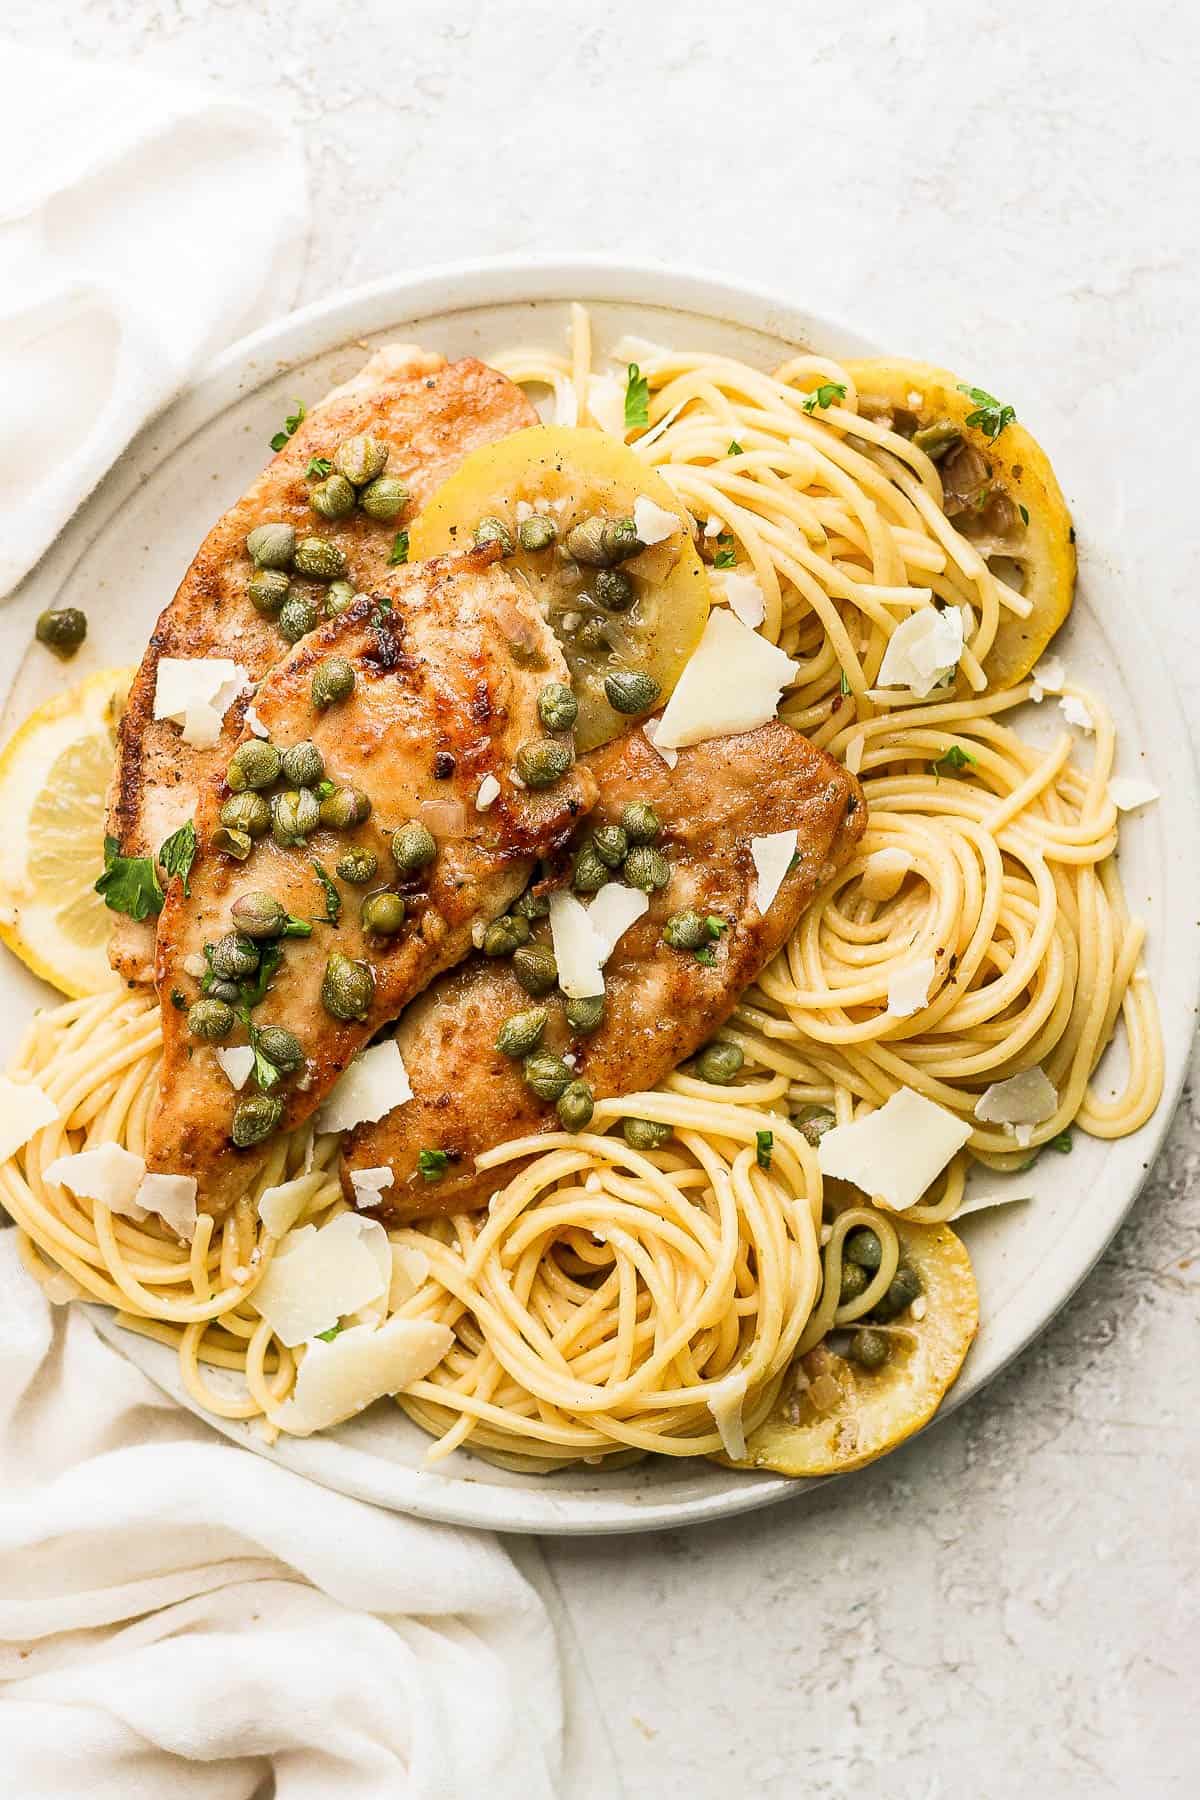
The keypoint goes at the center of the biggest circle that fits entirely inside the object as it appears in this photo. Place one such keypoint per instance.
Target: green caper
(869, 1349)
(233, 957)
(813, 1122)
(586, 1016)
(592, 636)
(613, 590)
(557, 706)
(248, 813)
(297, 617)
(272, 546)
(685, 930)
(629, 691)
(611, 845)
(602, 543)
(280, 1046)
(522, 1032)
(644, 1134)
(254, 764)
(719, 1063)
(503, 936)
(333, 680)
(855, 1281)
(640, 822)
(383, 914)
(864, 1248)
(295, 815)
(360, 459)
(348, 988)
(535, 967)
(333, 498)
(62, 629)
(268, 589)
(902, 1290)
(346, 806)
(210, 1019)
(646, 868)
(255, 1119)
(542, 762)
(320, 559)
(589, 874)
(338, 596)
(384, 499)
(937, 438)
(576, 1106)
(491, 530)
(232, 842)
(303, 764)
(413, 847)
(228, 991)
(258, 915)
(547, 1074)
(358, 865)
(537, 533)
(531, 905)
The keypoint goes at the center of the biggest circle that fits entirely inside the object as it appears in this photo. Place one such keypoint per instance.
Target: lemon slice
(54, 777)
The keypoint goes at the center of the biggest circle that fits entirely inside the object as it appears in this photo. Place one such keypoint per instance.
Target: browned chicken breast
(418, 701)
(429, 415)
(661, 1003)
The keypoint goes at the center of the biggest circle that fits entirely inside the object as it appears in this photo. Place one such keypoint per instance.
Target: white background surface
(1010, 1604)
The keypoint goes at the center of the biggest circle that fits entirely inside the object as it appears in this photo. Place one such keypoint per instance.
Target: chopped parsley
(267, 1074)
(989, 415)
(179, 853)
(826, 394)
(333, 900)
(324, 788)
(318, 468)
(253, 990)
(637, 398)
(399, 552)
(1062, 1143)
(1024, 512)
(290, 426)
(952, 762)
(765, 1142)
(327, 1337)
(129, 884)
(707, 956)
(844, 684)
(725, 559)
(735, 449)
(715, 926)
(433, 1164)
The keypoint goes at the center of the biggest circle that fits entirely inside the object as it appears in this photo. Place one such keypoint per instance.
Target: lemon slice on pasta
(54, 776)
(862, 1413)
(1000, 493)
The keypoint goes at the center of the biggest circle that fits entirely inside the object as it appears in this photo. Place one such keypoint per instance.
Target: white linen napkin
(143, 226)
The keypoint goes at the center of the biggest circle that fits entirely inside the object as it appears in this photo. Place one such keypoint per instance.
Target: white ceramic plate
(122, 557)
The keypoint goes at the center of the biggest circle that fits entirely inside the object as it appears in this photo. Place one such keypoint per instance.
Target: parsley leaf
(637, 398)
(844, 684)
(254, 991)
(179, 853)
(266, 1074)
(765, 1143)
(433, 1164)
(990, 416)
(725, 559)
(333, 900)
(735, 449)
(715, 926)
(1024, 512)
(290, 426)
(327, 1337)
(1062, 1143)
(318, 468)
(295, 927)
(797, 859)
(399, 549)
(952, 762)
(826, 394)
(129, 884)
(707, 956)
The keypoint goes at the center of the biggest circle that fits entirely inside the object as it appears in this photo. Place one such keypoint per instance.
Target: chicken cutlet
(428, 415)
(660, 1003)
(414, 709)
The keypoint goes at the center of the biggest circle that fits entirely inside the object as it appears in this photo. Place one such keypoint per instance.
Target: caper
(358, 865)
(338, 596)
(902, 1290)
(255, 1119)
(586, 1016)
(303, 764)
(319, 558)
(228, 991)
(547, 1074)
(280, 1046)
(855, 1281)
(272, 546)
(813, 1122)
(575, 1106)
(640, 822)
(558, 708)
(384, 499)
(258, 915)
(62, 629)
(232, 842)
(333, 498)
(602, 543)
(629, 691)
(503, 936)
(719, 1063)
(268, 589)
(644, 1134)
(864, 1248)
(589, 874)
(383, 914)
(531, 905)
(210, 1019)
(295, 815)
(937, 438)
(248, 813)
(348, 988)
(522, 1032)
(685, 930)
(254, 764)
(413, 847)
(346, 806)
(613, 590)
(333, 680)
(542, 762)
(646, 868)
(491, 530)
(592, 635)
(535, 968)
(611, 844)
(360, 459)
(233, 957)
(297, 617)
(869, 1349)
(537, 533)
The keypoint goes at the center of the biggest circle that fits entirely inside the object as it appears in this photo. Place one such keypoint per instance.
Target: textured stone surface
(1010, 1605)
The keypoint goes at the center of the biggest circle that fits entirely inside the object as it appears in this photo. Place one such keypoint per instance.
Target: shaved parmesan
(1075, 712)
(650, 733)
(908, 988)
(106, 1173)
(489, 791)
(173, 1198)
(24, 1109)
(977, 1202)
(236, 1064)
(772, 860)
(606, 403)
(319, 1275)
(361, 1365)
(368, 1184)
(732, 682)
(638, 350)
(742, 595)
(613, 911)
(410, 1272)
(254, 724)
(922, 651)
(566, 405)
(653, 523)
(713, 526)
(1047, 678)
(195, 692)
(1128, 794)
(884, 872)
(724, 1402)
(1023, 1100)
(894, 1154)
(579, 950)
(375, 1083)
(195, 966)
(280, 1207)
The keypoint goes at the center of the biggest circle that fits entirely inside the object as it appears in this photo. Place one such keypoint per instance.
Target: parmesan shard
(1075, 712)
(732, 682)
(25, 1108)
(650, 733)
(578, 948)
(615, 908)
(1047, 678)
(361, 1365)
(1127, 793)
(410, 1272)
(923, 651)
(654, 524)
(884, 872)
(173, 1198)
(725, 1402)
(772, 859)
(318, 1275)
(606, 403)
(279, 1207)
(488, 793)
(980, 1202)
(908, 988)
(742, 594)
(195, 692)
(1027, 1099)
(375, 1083)
(368, 1184)
(894, 1154)
(107, 1173)
(236, 1064)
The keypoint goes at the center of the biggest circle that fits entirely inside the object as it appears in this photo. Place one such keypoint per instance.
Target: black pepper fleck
(443, 766)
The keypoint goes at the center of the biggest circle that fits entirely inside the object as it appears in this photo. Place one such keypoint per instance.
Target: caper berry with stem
(258, 915)
(646, 868)
(268, 589)
(338, 596)
(645, 1134)
(297, 617)
(869, 1349)
(542, 762)
(491, 530)
(255, 1119)
(640, 822)
(303, 764)
(611, 845)
(547, 1074)
(575, 1106)
(384, 499)
(247, 812)
(233, 957)
(535, 968)
(586, 1016)
(505, 935)
(522, 1032)
(232, 842)
(348, 988)
(719, 1063)
(333, 498)
(589, 874)
(685, 930)
(210, 1019)
(272, 546)
(601, 543)
(902, 1290)
(413, 847)
(360, 458)
(855, 1281)
(383, 914)
(557, 706)
(864, 1248)
(613, 590)
(629, 691)
(333, 680)
(295, 815)
(254, 764)
(345, 807)
(280, 1046)
(320, 559)
(358, 865)
(537, 533)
